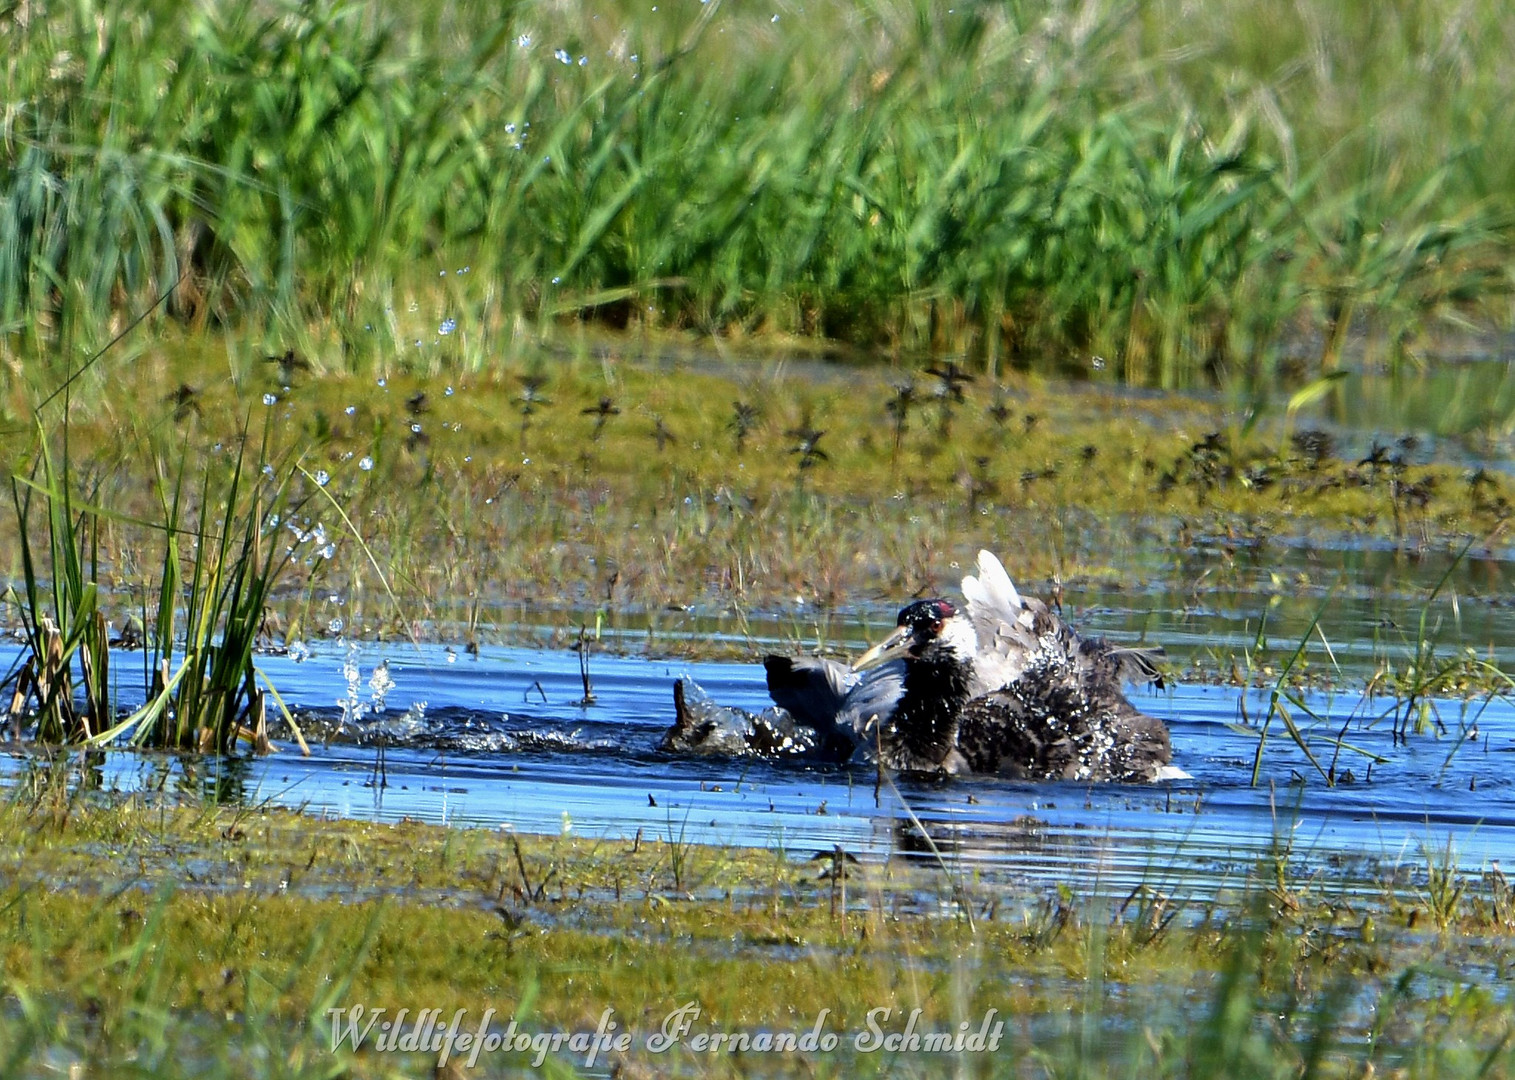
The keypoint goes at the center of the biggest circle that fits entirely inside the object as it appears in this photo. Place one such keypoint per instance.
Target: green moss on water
(485, 512)
(131, 926)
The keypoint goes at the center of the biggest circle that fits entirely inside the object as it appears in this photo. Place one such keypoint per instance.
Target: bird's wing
(1004, 622)
(810, 688)
(872, 701)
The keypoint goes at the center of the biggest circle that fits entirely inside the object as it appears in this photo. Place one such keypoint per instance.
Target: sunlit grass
(1186, 195)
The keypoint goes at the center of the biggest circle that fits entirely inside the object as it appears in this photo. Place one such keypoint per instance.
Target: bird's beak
(895, 645)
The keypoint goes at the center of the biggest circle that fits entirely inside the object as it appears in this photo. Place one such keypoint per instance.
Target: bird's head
(926, 628)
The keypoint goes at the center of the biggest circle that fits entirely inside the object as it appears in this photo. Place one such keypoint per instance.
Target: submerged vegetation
(1187, 192)
(188, 940)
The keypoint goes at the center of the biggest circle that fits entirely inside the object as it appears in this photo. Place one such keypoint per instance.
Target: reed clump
(202, 614)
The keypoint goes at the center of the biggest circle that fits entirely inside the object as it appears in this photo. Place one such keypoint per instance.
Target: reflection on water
(504, 740)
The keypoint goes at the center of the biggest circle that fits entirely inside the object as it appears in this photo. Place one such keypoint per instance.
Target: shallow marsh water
(502, 739)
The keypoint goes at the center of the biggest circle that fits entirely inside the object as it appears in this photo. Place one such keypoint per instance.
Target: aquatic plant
(211, 698)
(60, 610)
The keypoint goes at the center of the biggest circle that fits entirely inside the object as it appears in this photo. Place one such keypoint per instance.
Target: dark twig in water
(290, 364)
(948, 393)
(379, 777)
(583, 651)
(185, 400)
(899, 408)
(531, 399)
(999, 411)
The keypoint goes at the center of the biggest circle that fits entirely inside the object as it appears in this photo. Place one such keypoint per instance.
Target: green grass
(147, 939)
(1183, 194)
(218, 561)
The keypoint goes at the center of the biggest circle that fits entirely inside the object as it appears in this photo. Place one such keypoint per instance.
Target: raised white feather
(1003, 621)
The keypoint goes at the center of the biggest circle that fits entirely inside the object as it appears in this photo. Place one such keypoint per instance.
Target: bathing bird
(1007, 687)
(1004, 686)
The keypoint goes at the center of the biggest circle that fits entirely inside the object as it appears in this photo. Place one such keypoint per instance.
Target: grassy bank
(600, 480)
(170, 941)
(1185, 194)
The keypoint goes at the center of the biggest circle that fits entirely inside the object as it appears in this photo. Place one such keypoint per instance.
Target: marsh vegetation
(214, 942)
(706, 329)
(1178, 193)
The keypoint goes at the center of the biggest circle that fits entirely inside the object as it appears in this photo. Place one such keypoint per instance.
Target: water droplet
(561, 56)
(415, 429)
(322, 477)
(557, 280)
(448, 326)
(448, 391)
(383, 382)
(270, 399)
(524, 41)
(510, 129)
(774, 19)
(336, 626)
(366, 464)
(583, 60)
(351, 410)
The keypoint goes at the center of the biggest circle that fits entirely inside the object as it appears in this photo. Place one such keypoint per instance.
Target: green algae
(446, 503)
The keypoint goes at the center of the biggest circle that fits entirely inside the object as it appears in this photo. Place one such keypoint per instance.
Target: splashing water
(354, 708)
